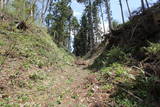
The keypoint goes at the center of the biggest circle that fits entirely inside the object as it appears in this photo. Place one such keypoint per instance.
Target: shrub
(154, 48)
(116, 54)
(115, 69)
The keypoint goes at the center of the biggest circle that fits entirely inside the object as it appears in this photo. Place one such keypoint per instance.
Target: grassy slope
(31, 63)
(33, 45)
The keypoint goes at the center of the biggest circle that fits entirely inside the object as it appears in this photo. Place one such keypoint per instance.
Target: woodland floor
(71, 87)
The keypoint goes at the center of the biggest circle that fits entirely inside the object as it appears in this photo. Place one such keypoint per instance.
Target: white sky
(116, 13)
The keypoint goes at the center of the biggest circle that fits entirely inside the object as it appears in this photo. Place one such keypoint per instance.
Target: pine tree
(89, 6)
(58, 21)
(81, 43)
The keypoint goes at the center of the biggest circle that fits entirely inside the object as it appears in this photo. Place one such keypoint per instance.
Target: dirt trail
(62, 88)
(69, 88)
(50, 87)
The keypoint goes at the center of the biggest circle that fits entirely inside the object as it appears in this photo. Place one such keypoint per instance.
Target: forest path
(72, 86)
(60, 88)
(84, 90)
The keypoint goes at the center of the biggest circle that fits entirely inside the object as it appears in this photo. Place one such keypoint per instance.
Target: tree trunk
(142, 4)
(128, 8)
(147, 3)
(100, 5)
(43, 3)
(108, 14)
(120, 3)
(44, 9)
(33, 9)
(91, 33)
(2, 4)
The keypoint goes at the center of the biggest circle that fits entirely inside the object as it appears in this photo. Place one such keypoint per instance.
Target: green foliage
(107, 87)
(36, 47)
(141, 87)
(114, 55)
(81, 46)
(154, 48)
(36, 76)
(41, 88)
(115, 69)
(27, 65)
(69, 80)
(74, 96)
(2, 104)
(90, 92)
(20, 9)
(23, 97)
(2, 59)
(58, 21)
(126, 103)
(2, 43)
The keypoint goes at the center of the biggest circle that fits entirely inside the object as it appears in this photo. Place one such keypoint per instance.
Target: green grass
(36, 46)
(33, 53)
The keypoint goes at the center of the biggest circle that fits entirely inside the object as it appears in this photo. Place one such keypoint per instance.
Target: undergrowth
(35, 45)
(111, 56)
(128, 86)
(153, 49)
(26, 59)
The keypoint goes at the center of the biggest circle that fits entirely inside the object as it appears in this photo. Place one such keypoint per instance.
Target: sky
(116, 13)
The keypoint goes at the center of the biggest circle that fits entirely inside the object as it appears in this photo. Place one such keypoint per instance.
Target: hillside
(129, 61)
(32, 66)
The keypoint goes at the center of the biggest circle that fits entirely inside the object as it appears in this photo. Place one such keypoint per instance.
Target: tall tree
(32, 9)
(21, 9)
(91, 33)
(45, 5)
(102, 16)
(58, 21)
(147, 3)
(120, 3)
(74, 25)
(128, 8)
(74, 31)
(81, 43)
(143, 6)
(96, 21)
(108, 11)
(89, 6)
